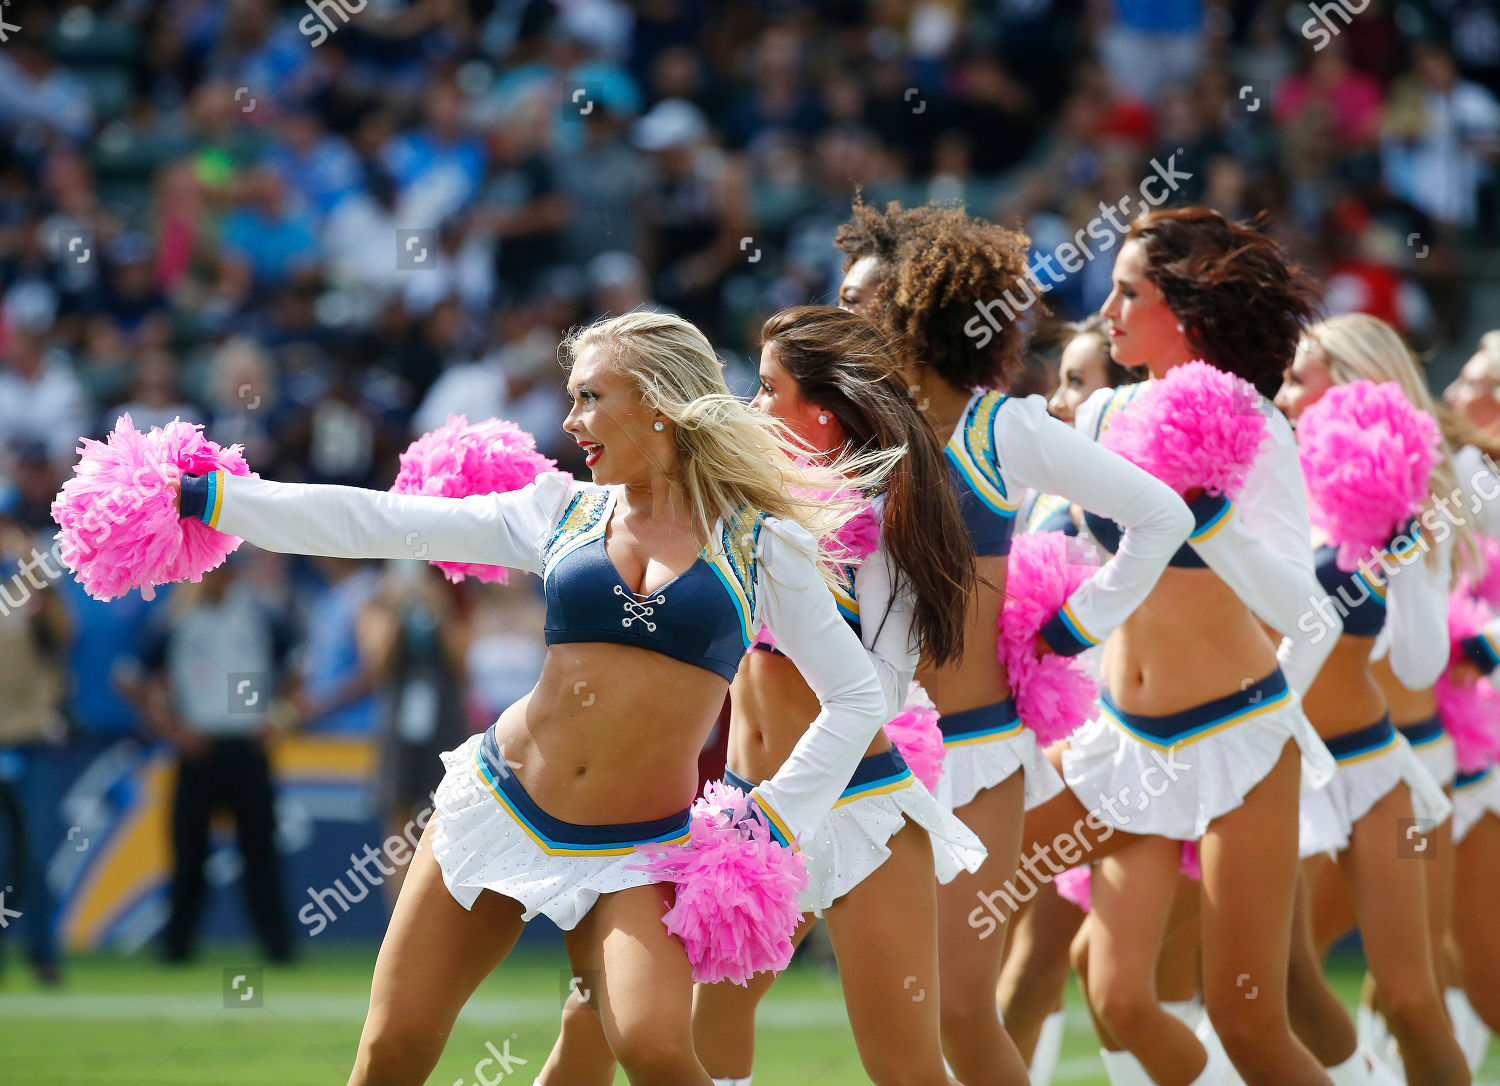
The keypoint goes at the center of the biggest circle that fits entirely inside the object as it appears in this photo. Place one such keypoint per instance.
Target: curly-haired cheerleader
(924, 274)
(830, 377)
(1384, 774)
(1193, 682)
(656, 576)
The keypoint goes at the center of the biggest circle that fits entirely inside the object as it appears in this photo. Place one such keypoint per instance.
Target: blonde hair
(732, 463)
(1360, 347)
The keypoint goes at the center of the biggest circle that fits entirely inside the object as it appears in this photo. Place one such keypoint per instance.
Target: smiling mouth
(591, 451)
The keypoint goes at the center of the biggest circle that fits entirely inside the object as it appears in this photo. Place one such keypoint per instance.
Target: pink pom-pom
(1366, 454)
(1073, 885)
(1188, 863)
(1470, 711)
(1053, 695)
(917, 736)
(1196, 427)
(120, 528)
(736, 901)
(459, 459)
(857, 539)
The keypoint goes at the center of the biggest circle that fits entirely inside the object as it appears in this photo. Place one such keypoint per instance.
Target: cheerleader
(1381, 792)
(1192, 678)
(830, 377)
(656, 576)
(924, 274)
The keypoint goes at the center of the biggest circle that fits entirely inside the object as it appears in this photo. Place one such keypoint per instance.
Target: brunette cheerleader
(1192, 677)
(656, 577)
(831, 378)
(1381, 799)
(923, 274)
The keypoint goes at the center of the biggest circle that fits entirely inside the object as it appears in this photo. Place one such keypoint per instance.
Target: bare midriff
(611, 733)
(1345, 696)
(770, 706)
(978, 679)
(1407, 707)
(1192, 641)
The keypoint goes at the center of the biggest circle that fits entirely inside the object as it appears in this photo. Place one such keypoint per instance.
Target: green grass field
(132, 1022)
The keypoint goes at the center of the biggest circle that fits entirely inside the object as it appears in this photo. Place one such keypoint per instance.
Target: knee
(656, 1058)
(1127, 1008)
(397, 1053)
(889, 1074)
(1411, 1008)
(1245, 1026)
(965, 1013)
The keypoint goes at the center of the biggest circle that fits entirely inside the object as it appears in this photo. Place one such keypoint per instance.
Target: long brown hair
(845, 365)
(1241, 300)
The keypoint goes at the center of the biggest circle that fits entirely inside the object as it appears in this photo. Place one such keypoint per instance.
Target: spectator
(437, 168)
(40, 399)
(265, 240)
(155, 400)
(211, 664)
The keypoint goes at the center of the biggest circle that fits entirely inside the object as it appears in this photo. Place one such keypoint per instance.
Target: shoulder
(1096, 411)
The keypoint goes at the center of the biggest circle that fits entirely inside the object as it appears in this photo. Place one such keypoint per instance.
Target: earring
(1180, 328)
(822, 420)
(657, 426)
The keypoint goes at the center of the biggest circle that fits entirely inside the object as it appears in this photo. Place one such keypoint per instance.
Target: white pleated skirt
(983, 747)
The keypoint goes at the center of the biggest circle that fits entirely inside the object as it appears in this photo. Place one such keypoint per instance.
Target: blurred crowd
(320, 227)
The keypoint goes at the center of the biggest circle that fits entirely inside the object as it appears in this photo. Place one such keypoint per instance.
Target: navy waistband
(1423, 731)
(872, 769)
(1362, 743)
(556, 833)
(984, 722)
(1264, 696)
(1463, 780)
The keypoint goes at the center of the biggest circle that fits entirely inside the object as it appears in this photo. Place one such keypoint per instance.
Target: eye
(586, 396)
(1074, 382)
(765, 386)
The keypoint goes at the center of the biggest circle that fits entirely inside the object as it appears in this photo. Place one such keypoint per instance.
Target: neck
(942, 404)
(1175, 355)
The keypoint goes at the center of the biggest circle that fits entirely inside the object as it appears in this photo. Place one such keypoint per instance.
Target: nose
(1283, 400)
(1110, 310)
(1055, 403)
(570, 421)
(1451, 395)
(758, 401)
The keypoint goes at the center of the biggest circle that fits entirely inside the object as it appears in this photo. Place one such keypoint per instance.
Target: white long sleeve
(1479, 504)
(1035, 450)
(794, 603)
(1416, 614)
(351, 522)
(887, 625)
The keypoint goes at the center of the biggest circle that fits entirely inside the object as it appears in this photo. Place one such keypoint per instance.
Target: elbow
(1419, 674)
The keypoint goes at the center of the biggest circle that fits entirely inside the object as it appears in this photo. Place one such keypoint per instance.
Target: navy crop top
(700, 616)
(1359, 593)
(989, 512)
(1209, 514)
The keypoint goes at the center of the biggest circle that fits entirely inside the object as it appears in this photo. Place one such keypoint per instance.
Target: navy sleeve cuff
(1065, 637)
(196, 490)
(1479, 652)
(1210, 511)
(1405, 537)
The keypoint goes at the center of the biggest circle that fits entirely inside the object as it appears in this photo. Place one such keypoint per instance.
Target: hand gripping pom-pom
(736, 895)
(1470, 711)
(461, 458)
(1053, 695)
(1196, 427)
(1366, 454)
(917, 736)
(736, 900)
(118, 519)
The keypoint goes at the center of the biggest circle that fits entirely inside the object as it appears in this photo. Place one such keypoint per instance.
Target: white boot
(1123, 1069)
(1048, 1048)
(1187, 1011)
(1473, 1035)
(1355, 1071)
(733, 1081)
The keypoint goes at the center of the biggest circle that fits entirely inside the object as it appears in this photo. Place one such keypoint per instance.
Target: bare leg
(434, 954)
(977, 1046)
(1132, 894)
(1476, 891)
(1390, 901)
(645, 986)
(885, 935)
(1035, 970)
(1249, 861)
(724, 1018)
(1179, 966)
(1317, 1013)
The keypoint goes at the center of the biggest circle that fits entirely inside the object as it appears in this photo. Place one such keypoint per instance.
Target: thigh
(436, 952)
(884, 933)
(1248, 858)
(1131, 895)
(971, 939)
(645, 980)
(1389, 897)
(1330, 912)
